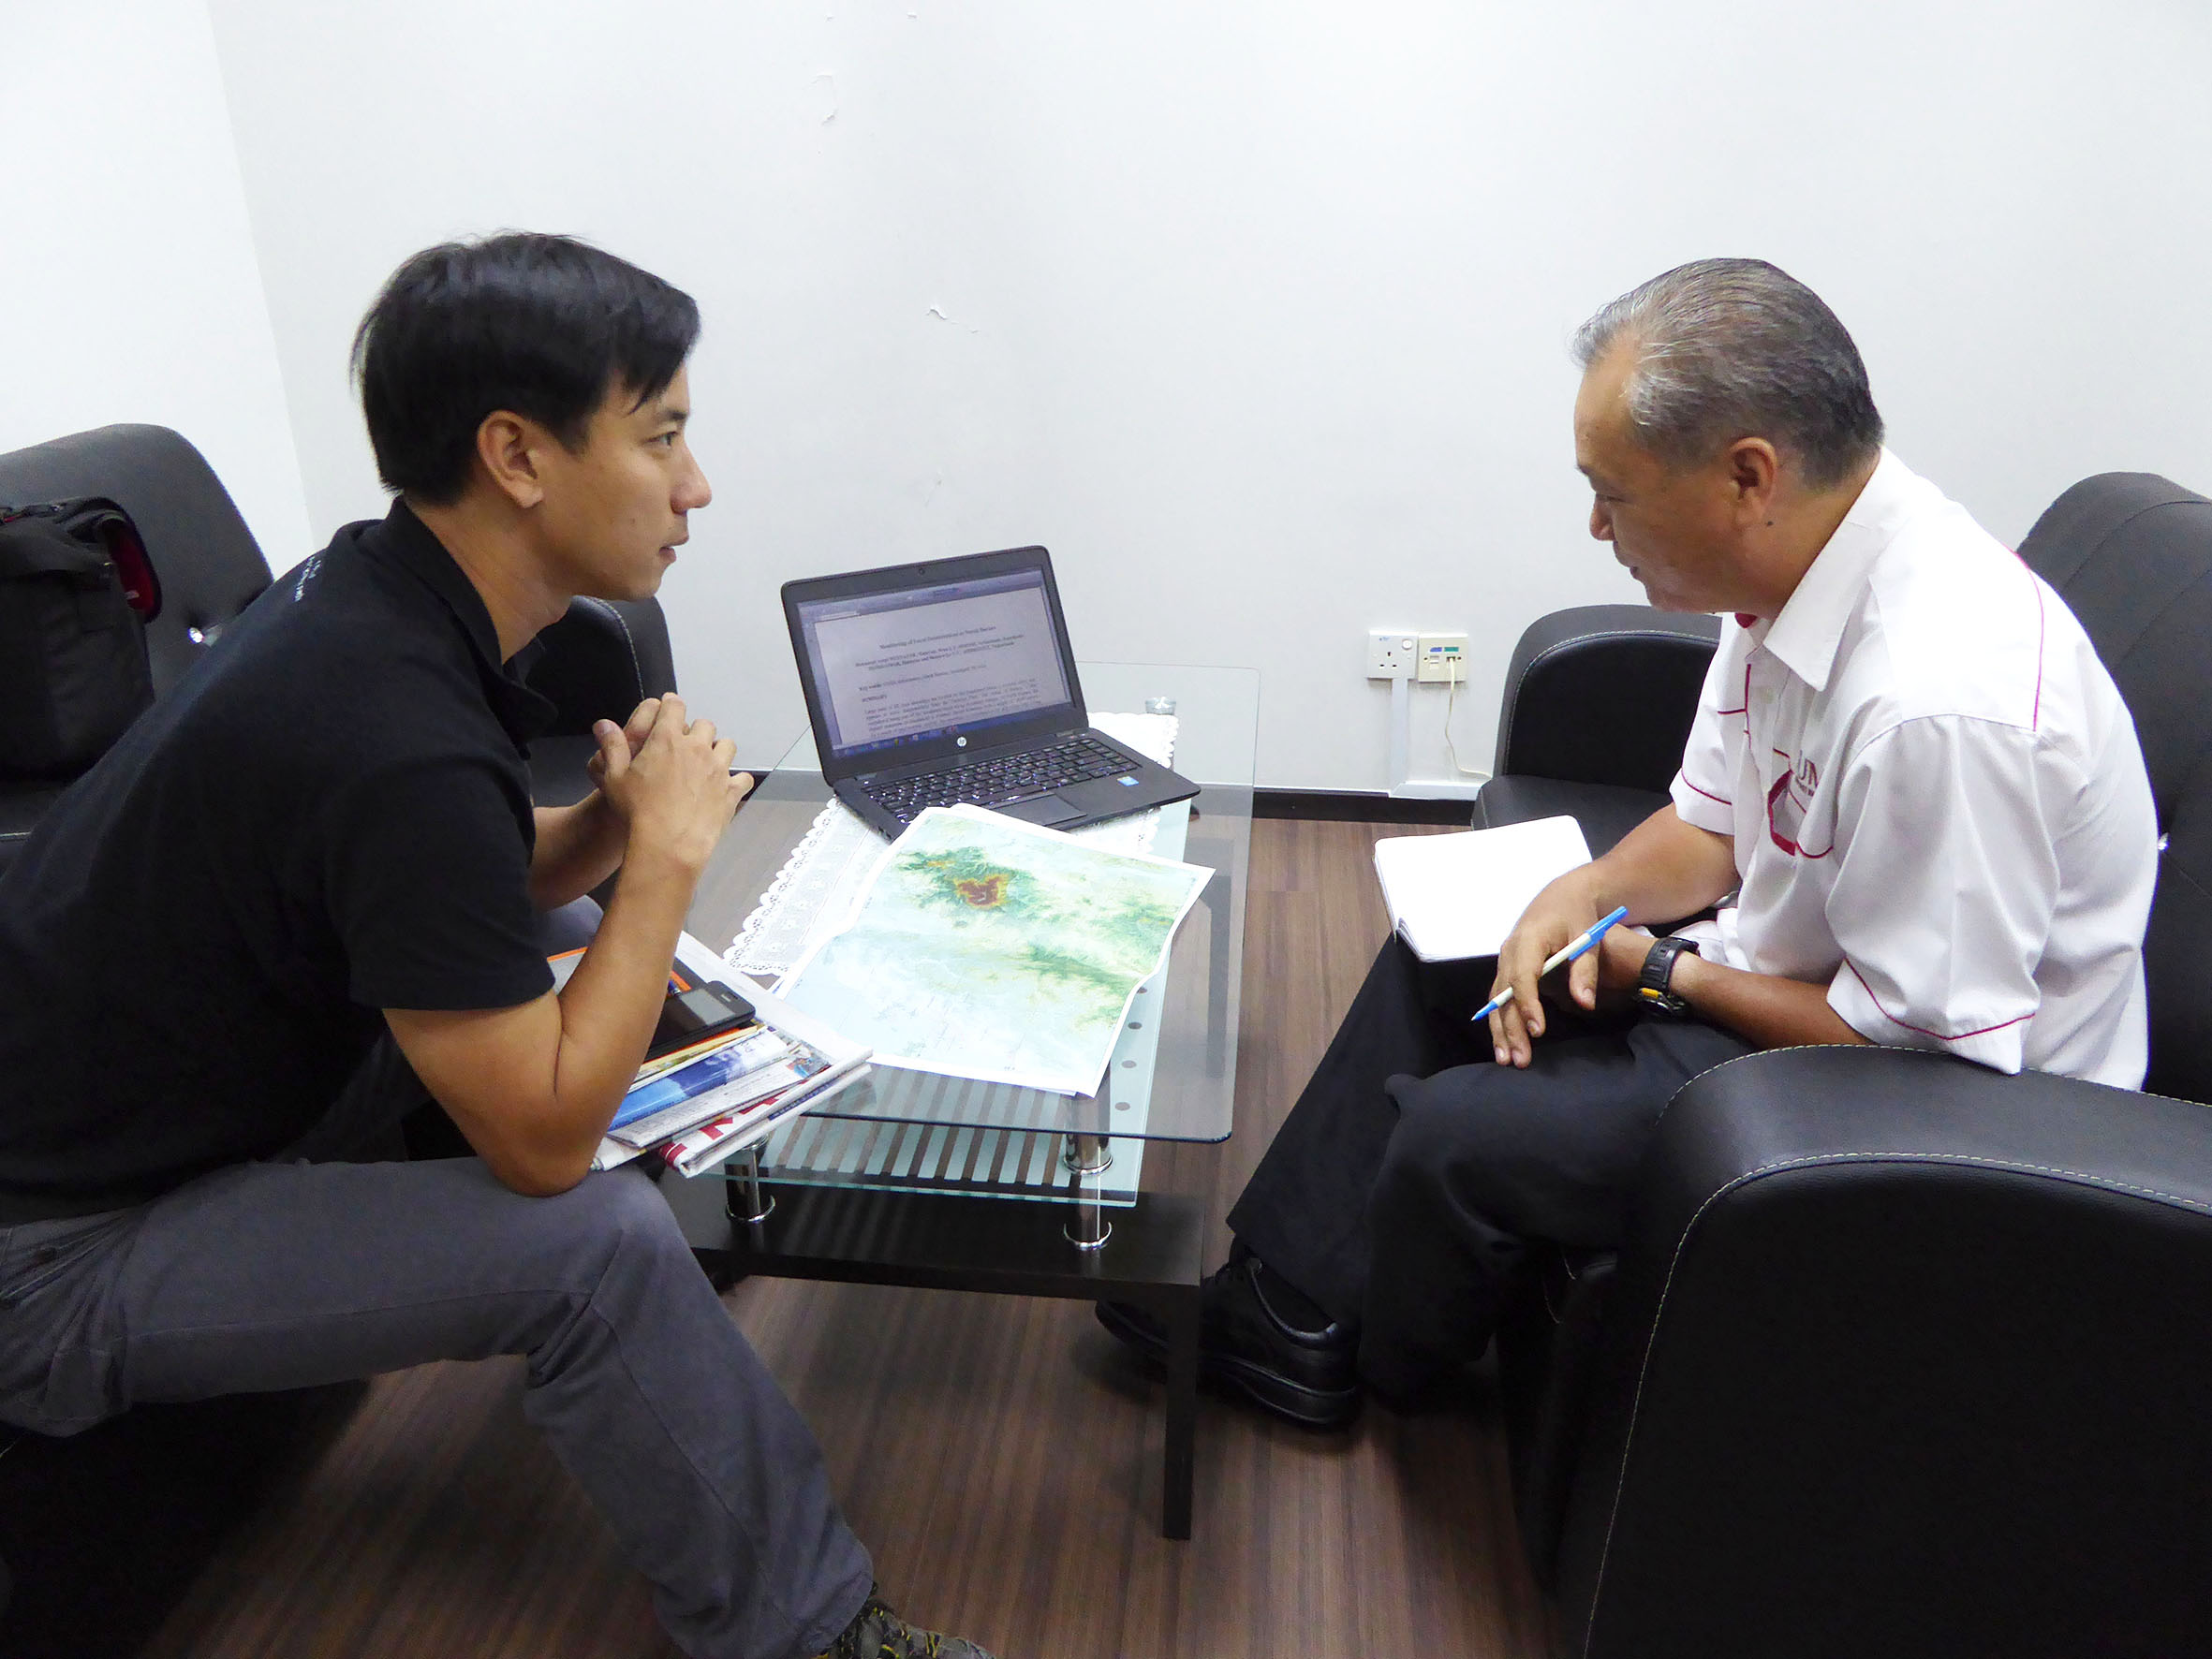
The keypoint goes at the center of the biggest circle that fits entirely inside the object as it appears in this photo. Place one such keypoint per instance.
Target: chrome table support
(1086, 1158)
(747, 1202)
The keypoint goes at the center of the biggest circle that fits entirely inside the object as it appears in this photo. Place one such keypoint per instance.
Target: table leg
(1218, 945)
(745, 1200)
(1088, 1157)
(1179, 1471)
(938, 1242)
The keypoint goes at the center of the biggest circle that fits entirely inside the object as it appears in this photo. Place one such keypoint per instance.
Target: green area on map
(985, 950)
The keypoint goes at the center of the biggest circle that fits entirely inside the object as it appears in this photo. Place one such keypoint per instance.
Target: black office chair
(101, 1532)
(596, 663)
(1902, 1356)
(1597, 705)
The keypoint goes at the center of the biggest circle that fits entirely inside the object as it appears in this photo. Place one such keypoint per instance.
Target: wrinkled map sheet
(814, 892)
(986, 948)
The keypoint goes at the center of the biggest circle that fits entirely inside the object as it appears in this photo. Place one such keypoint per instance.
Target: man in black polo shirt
(319, 859)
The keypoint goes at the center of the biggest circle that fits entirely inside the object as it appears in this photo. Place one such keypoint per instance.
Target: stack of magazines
(694, 1107)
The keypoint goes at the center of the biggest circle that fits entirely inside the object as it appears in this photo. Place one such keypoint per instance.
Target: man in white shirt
(1911, 789)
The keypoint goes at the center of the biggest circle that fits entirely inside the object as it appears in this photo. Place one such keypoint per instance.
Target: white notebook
(1456, 896)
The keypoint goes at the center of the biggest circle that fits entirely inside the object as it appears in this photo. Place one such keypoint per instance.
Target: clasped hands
(668, 777)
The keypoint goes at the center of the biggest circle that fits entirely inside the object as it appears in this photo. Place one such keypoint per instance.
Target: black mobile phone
(693, 1016)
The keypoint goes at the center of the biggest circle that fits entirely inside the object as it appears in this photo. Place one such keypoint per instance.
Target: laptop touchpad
(1044, 809)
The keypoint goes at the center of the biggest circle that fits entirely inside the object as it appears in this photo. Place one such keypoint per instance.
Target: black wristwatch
(1658, 970)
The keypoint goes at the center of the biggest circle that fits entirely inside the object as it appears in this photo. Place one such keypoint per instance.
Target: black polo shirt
(328, 817)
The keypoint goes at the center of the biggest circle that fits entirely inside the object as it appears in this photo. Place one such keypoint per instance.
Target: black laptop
(952, 681)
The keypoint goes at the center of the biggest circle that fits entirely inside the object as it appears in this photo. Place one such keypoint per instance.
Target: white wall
(129, 289)
(1255, 314)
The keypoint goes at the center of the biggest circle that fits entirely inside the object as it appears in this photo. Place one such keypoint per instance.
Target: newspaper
(728, 1120)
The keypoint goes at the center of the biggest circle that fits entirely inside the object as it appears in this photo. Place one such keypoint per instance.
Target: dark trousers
(311, 1269)
(1402, 1191)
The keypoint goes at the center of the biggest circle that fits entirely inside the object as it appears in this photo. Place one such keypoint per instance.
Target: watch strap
(1655, 982)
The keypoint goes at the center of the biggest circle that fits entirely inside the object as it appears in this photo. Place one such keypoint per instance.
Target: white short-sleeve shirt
(1935, 796)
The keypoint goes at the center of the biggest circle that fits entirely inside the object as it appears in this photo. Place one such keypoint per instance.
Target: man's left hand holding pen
(1661, 869)
(1611, 964)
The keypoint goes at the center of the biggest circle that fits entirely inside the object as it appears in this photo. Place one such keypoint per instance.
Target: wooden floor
(1001, 1458)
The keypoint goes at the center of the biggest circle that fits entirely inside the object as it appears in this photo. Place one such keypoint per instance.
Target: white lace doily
(815, 890)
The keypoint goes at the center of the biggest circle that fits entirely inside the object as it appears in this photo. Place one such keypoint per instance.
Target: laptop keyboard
(1004, 782)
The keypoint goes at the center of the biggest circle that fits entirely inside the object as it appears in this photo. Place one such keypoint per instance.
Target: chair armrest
(105, 1532)
(1603, 694)
(1605, 811)
(601, 660)
(1893, 1338)
(23, 803)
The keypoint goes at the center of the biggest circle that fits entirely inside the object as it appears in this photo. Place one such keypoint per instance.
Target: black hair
(544, 326)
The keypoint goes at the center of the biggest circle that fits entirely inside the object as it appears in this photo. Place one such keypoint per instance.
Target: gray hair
(1734, 348)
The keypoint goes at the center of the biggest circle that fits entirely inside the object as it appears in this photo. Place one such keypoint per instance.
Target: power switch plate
(1390, 653)
(1441, 657)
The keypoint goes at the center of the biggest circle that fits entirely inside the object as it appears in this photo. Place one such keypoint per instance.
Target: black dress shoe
(1245, 1344)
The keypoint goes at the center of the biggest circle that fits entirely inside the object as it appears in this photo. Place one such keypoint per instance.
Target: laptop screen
(921, 663)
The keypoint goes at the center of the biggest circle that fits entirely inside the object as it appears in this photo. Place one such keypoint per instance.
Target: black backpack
(76, 593)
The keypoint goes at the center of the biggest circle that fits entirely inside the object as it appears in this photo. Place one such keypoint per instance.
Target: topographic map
(985, 947)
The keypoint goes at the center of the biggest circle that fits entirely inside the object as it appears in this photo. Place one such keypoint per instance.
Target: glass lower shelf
(961, 1159)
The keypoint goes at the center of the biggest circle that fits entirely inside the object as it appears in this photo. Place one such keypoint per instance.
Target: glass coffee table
(910, 1177)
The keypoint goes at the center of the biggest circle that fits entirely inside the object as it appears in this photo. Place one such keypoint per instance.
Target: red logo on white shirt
(1786, 802)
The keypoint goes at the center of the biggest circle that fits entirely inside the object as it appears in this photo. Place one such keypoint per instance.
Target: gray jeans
(295, 1272)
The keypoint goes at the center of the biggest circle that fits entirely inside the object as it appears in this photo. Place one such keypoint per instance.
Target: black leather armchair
(209, 567)
(1903, 1357)
(597, 663)
(100, 1532)
(1597, 705)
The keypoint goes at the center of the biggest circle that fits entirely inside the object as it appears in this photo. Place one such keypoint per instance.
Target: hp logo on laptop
(960, 742)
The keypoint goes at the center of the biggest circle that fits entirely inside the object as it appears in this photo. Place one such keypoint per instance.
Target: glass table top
(1173, 1076)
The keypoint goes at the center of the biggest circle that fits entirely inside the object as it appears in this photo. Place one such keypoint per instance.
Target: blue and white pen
(1575, 947)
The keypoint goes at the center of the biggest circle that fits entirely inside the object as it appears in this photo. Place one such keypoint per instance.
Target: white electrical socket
(1390, 653)
(1441, 657)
